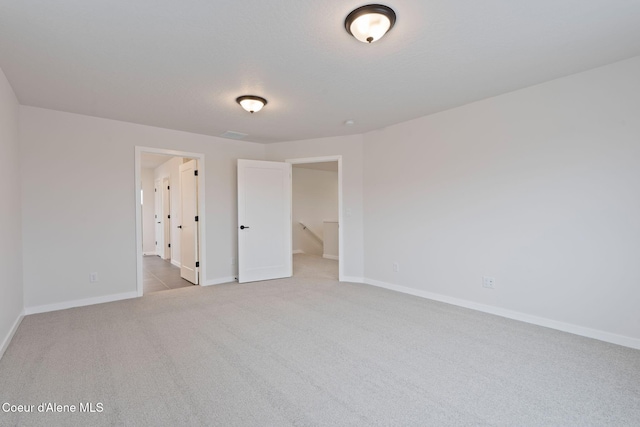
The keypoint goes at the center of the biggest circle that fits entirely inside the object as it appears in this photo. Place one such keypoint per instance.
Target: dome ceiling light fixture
(369, 23)
(251, 103)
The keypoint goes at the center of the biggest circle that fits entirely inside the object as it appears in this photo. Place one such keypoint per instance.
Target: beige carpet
(310, 352)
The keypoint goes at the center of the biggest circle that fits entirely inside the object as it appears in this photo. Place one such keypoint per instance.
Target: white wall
(148, 212)
(350, 148)
(11, 290)
(171, 169)
(79, 210)
(539, 188)
(315, 199)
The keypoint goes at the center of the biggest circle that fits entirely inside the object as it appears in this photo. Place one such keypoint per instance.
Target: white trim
(201, 209)
(79, 303)
(176, 263)
(12, 332)
(336, 258)
(297, 251)
(515, 315)
(352, 279)
(149, 254)
(220, 281)
(338, 158)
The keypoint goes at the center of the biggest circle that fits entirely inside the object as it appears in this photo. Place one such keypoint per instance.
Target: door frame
(202, 250)
(324, 159)
(159, 212)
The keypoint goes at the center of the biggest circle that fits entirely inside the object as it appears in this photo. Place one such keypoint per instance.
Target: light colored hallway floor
(314, 267)
(161, 275)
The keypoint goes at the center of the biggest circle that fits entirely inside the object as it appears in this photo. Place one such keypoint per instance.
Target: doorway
(315, 224)
(322, 229)
(182, 217)
(264, 197)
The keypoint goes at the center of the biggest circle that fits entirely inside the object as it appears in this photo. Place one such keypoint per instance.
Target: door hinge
(196, 218)
(155, 190)
(156, 243)
(195, 172)
(168, 187)
(169, 244)
(197, 263)
(169, 216)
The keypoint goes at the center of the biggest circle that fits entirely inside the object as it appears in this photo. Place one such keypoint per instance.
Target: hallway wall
(148, 213)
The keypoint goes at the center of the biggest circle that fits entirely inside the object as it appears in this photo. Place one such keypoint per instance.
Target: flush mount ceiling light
(369, 23)
(251, 103)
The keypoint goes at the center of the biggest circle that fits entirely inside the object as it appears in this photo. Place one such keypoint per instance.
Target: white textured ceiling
(181, 64)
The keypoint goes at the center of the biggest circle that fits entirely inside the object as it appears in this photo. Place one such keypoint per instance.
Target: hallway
(160, 275)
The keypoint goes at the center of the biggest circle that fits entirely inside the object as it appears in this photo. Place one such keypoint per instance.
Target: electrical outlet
(396, 267)
(93, 277)
(488, 282)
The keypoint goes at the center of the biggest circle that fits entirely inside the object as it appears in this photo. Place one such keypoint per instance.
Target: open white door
(159, 223)
(189, 227)
(166, 217)
(264, 220)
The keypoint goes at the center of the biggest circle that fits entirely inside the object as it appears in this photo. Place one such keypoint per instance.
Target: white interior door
(189, 227)
(159, 223)
(166, 217)
(264, 220)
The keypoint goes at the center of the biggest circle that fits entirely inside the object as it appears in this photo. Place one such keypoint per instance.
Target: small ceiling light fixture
(251, 103)
(369, 23)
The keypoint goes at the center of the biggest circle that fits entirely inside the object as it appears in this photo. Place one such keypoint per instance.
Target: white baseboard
(333, 257)
(535, 320)
(219, 281)
(297, 251)
(12, 331)
(176, 263)
(352, 279)
(79, 303)
(149, 254)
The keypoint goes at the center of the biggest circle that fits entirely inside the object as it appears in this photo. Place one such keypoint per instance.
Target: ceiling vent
(233, 135)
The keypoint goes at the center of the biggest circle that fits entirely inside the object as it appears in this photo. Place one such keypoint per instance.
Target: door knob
(179, 226)
(242, 227)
